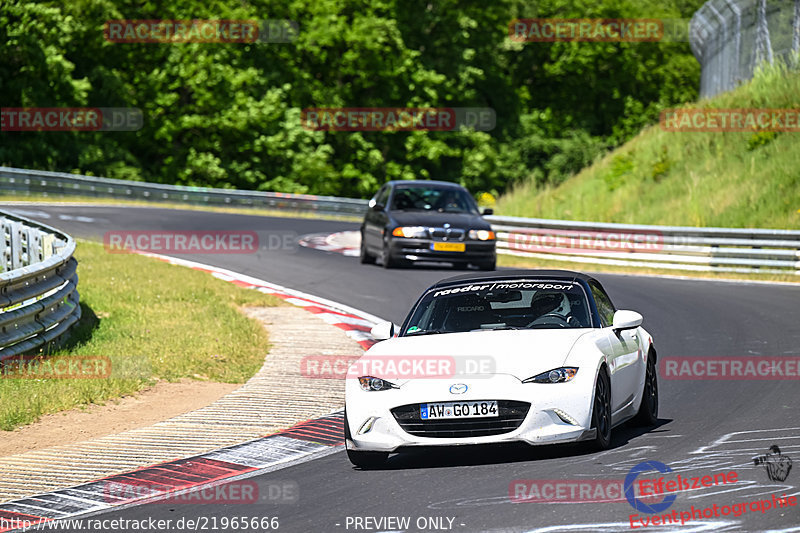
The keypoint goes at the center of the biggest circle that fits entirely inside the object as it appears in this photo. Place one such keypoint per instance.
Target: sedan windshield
(501, 305)
(449, 200)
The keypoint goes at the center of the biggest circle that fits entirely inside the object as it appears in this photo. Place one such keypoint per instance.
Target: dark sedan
(411, 221)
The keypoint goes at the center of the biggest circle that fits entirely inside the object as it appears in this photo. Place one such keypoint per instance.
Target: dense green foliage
(228, 115)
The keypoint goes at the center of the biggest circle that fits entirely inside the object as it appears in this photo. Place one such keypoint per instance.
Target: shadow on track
(488, 454)
(433, 266)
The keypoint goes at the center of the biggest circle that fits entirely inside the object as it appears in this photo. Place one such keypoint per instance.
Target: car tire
(601, 411)
(648, 410)
(365, 257)
(387, 259)
(363, 460)
(488, 265)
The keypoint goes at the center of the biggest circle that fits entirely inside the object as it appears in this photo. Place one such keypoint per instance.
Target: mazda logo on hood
(458, 388)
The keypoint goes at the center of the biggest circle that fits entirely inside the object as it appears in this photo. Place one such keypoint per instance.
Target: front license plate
(436, 411)
(449, 246)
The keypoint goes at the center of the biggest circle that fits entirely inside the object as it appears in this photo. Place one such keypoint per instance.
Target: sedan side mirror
(382, 331)
(378, 207)
(626, 320)
(487, 211)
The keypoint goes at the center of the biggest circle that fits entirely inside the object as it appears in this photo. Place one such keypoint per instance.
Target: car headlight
(369, 383)
(410, 232)
(481, 235)
(557, 375)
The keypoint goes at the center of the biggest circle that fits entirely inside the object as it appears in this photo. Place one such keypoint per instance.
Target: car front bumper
(422, 250)
(559, 412)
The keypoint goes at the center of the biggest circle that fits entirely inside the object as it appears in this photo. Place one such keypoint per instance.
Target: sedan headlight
(481, 235)
(557, 375)
(369, 383)
(410, 232)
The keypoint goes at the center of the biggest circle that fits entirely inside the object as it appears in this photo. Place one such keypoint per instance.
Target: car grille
(447, 234)
(511, 415)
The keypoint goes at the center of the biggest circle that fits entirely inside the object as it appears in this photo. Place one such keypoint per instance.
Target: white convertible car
(531, 356)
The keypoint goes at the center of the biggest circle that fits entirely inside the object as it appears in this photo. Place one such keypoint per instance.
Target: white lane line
(27, 213)
(336, 306)
(726, 439)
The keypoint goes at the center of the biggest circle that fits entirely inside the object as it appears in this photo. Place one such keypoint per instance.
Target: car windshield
(490, 305)
(444, 200)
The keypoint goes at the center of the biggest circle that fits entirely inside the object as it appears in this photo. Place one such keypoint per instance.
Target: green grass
(155, 321)
(732, 179)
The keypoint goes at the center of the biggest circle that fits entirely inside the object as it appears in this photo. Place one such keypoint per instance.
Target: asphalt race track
(706, 427)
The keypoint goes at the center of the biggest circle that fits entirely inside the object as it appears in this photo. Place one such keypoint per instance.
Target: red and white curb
(301, 442)
(311, 438)
(355, 322)
(343, 242)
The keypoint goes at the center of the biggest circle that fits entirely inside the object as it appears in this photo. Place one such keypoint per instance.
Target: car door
(375, 219)
(625, 356)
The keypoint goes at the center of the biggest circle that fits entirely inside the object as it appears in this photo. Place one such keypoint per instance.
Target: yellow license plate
(449, 246)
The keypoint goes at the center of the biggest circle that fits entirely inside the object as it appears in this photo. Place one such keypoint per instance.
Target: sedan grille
(447, 234)
(511, 414)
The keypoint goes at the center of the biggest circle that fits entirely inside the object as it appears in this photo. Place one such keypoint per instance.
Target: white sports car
(532, 356)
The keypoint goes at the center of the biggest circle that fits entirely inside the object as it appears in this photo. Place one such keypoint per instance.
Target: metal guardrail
(39, 182)
(664, 247)
(39, 299)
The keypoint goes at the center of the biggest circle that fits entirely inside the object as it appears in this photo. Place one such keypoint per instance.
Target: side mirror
(487, 211)
(378, 207)
(626, 320)
(382, 331)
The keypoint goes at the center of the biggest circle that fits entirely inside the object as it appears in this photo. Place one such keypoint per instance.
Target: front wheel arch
(601, 422)
(647, 415)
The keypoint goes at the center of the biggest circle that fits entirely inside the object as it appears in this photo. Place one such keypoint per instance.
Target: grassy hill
(731, 179)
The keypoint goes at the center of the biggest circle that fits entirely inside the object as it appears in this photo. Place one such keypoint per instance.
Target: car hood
(520, 353)
(436, 219)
